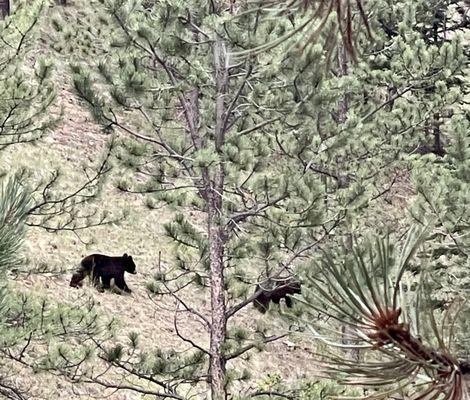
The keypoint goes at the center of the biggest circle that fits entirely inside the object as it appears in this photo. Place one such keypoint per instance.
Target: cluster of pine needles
(366, 293)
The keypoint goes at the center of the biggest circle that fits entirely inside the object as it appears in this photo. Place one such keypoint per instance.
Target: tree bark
(214, 186)
(218, 306)
(438, 147)
(342, 71)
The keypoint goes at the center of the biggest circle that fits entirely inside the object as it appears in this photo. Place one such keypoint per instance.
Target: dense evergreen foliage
(273, 156)
(27, 93)
(32, 327)
(268, 132)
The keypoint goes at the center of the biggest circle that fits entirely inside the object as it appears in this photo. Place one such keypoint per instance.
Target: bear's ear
(125, 255)
(130, 257)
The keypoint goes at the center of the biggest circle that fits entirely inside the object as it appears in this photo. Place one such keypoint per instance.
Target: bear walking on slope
(99, 266)
(275, 290)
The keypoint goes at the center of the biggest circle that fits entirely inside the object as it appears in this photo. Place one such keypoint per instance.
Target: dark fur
(99, 266)
(274, 291)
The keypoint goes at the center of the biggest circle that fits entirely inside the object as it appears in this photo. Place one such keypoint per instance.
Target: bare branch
(257, 210)
(185, 339)
(253, 345)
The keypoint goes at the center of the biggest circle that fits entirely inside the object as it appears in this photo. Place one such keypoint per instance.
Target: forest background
(226, 145)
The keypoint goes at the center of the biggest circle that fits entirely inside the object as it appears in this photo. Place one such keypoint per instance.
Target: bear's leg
(106, 280)
(96, 280)
(98, 283)
(261, 303)
(288, 302)
(121, 283)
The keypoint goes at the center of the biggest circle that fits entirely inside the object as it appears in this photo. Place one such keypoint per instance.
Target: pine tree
(27, 93)
(13, 210)
(33, 330)
(213, 133)
(14, 202)
(409, 353)
(438, 177)
(257, 148)
(433, 77)
(27, 98)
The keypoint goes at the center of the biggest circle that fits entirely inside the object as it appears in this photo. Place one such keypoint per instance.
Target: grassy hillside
(343, 164)
(52, 257)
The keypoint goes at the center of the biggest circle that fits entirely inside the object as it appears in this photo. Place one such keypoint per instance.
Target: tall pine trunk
(217, 233)
(219, 321)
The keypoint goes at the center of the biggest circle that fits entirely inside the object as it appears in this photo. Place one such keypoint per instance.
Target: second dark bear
(274, 291)
(99, 266)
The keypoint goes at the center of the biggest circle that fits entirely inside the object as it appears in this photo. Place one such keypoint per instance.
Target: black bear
(275, 290)
(105, 268)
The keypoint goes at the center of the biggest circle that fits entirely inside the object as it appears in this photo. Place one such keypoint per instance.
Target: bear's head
(129, 265)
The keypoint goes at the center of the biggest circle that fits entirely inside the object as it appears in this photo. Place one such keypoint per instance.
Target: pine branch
(133, 388)
(130, 369)
(229, 110)
(272, 394)
(362, 294)
(189, 309)
(246, 348)
(185, 339)
(183, 160)
(256, 210)
(52, 209)
(11, 392)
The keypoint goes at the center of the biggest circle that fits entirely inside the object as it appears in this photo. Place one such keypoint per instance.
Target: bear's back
(100, 261)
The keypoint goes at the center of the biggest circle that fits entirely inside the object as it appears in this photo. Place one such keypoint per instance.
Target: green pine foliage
(35, 333)
(437, 50)
(27, 114)
(28, 92)
(278, 151)
(161, 90)
(406, 352)
(14, 204)
(442, 192)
